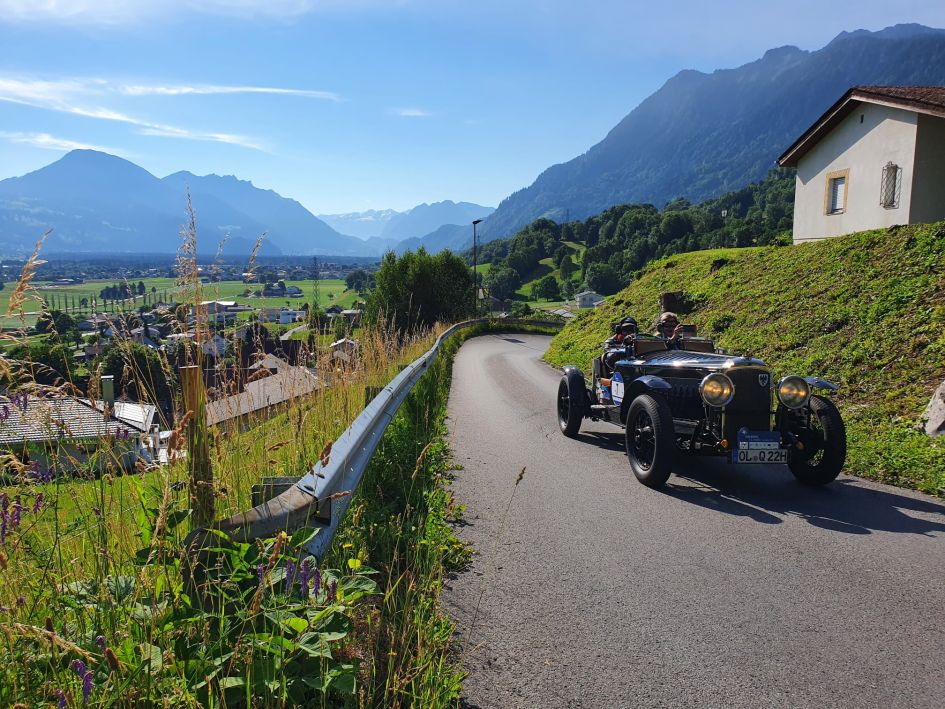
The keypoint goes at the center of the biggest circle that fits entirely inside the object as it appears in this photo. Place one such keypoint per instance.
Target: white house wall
(928, 184)
(885, 134)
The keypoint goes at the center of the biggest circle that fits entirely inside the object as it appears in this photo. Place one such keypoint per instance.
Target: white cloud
(209, 90)
(74, 96)
(50, 142)
(411, 112)
(122, 12)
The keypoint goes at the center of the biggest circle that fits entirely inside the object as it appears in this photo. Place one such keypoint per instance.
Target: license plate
(759, 447)
(758, 455)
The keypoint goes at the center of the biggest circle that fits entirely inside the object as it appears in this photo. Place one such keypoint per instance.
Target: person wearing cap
(669, 328)
(615, 346)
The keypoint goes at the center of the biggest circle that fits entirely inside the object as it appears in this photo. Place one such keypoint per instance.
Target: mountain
(96, 202)
(701, 135)
(288, 223)
(455, 237)
(426, 218)
(363, 225)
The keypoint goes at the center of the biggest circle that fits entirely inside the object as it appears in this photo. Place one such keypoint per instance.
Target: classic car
(700, 401)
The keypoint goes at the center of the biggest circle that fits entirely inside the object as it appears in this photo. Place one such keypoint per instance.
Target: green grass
(866, 311)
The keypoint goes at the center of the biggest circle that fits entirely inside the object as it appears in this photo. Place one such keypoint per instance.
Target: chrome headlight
(793, 392)
(716, 390)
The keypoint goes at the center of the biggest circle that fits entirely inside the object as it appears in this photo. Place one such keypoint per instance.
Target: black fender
(575, 376)
(647, 384)
(818, 383)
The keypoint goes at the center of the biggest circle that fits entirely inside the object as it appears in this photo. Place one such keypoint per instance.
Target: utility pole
(475, 271)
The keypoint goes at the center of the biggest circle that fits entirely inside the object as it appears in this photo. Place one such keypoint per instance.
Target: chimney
(108, 393)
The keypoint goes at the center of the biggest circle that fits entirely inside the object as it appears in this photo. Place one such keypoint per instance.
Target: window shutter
(838, 188)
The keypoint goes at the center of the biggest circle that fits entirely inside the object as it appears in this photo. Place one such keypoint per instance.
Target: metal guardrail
(322, 496)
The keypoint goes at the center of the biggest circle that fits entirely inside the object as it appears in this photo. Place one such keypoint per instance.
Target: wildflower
(304, 575)
(86, 676)
(261, 572)
(100, 641)
(316, 581)
(332, 592)
(289, 575)
(20, 601)
(15, 513)
(60, 699)
(37, 503)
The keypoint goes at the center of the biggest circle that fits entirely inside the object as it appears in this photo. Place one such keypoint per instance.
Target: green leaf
(121, 588)
(303, 536)
(151, 655)
(296, 624)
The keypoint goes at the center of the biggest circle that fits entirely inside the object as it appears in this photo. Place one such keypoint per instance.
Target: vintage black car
(699, 401)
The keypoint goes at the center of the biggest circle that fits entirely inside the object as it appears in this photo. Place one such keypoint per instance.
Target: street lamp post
(475, 271)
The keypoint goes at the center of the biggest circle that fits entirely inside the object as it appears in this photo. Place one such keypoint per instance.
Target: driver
(669, 328)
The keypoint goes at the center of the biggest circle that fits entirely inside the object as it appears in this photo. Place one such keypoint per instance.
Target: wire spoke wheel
(644, 441)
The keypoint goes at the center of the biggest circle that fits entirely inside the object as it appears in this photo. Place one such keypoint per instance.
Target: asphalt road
(730, 588)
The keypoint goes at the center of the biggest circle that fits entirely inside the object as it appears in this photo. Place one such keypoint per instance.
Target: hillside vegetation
(866, 311)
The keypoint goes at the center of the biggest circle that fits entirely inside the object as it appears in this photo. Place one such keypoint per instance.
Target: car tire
(572, 400)
(650, 438)
(833, 454)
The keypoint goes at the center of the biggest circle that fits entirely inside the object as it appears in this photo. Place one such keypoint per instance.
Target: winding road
(729, 588)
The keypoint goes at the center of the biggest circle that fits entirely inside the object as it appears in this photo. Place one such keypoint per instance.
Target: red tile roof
(922, 99)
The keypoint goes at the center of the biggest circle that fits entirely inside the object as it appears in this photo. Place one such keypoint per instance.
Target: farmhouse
(876, 158)
(588, 299)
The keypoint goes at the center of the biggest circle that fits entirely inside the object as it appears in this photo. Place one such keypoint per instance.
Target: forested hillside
(604, 251)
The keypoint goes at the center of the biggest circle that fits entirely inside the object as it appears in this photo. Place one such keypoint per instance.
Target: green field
(330, 292)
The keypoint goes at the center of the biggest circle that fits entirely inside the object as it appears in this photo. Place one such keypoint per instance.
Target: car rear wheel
(572, 397)
(650, 441)
(824, 445)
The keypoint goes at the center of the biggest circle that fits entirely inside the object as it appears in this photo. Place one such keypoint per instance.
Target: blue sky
(360, 104)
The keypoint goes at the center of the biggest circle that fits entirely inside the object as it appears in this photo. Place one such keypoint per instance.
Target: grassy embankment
(866, 311)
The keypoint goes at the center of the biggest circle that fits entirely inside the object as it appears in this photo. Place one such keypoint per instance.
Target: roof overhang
(840, 110)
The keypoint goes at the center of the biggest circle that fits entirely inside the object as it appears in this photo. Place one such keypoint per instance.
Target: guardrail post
(200, 472)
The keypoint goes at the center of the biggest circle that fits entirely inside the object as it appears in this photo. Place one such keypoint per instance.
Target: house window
(835, 196)
(891, 186)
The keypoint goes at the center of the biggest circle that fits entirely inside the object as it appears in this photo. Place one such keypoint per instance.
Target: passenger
(616, 346)
(669, 328)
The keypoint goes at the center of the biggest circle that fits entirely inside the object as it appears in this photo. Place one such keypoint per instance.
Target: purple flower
(20, 601)
(86, 687)
(304, 574)
(261, 572)
(289, 575)
(316, 581)
(60, 699)
(100, 641)
(79, 667)
(37, 503)
(15, 513)
(332, 592)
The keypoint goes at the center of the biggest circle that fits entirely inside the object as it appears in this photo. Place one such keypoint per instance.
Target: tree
(61, 325)
(47, 362)
(547, 288)
(138, 371)
(357, 280)
(603, 278)
(418, 290)
(567, 267)
(502, 282)
(141, 288)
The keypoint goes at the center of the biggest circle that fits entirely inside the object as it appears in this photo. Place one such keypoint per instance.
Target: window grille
(891, 186)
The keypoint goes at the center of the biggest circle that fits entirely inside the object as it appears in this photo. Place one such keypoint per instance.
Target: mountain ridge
(702, 134)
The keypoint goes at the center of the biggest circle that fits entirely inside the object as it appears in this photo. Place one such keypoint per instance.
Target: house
(588, 299)
(875, 159)
(290, 316)
(272, 382)
(334, 309)
(64, 434)
(344, 350)
(562, 313)
(147, 336)
(293, 292)
(217, 311)
(215, 346)
(352, 316)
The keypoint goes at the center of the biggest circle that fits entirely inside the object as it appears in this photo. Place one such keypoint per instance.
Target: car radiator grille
(751, 407)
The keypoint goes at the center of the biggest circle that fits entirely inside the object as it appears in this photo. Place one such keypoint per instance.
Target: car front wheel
(823, 441)
(650, 441)
(572, 396)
